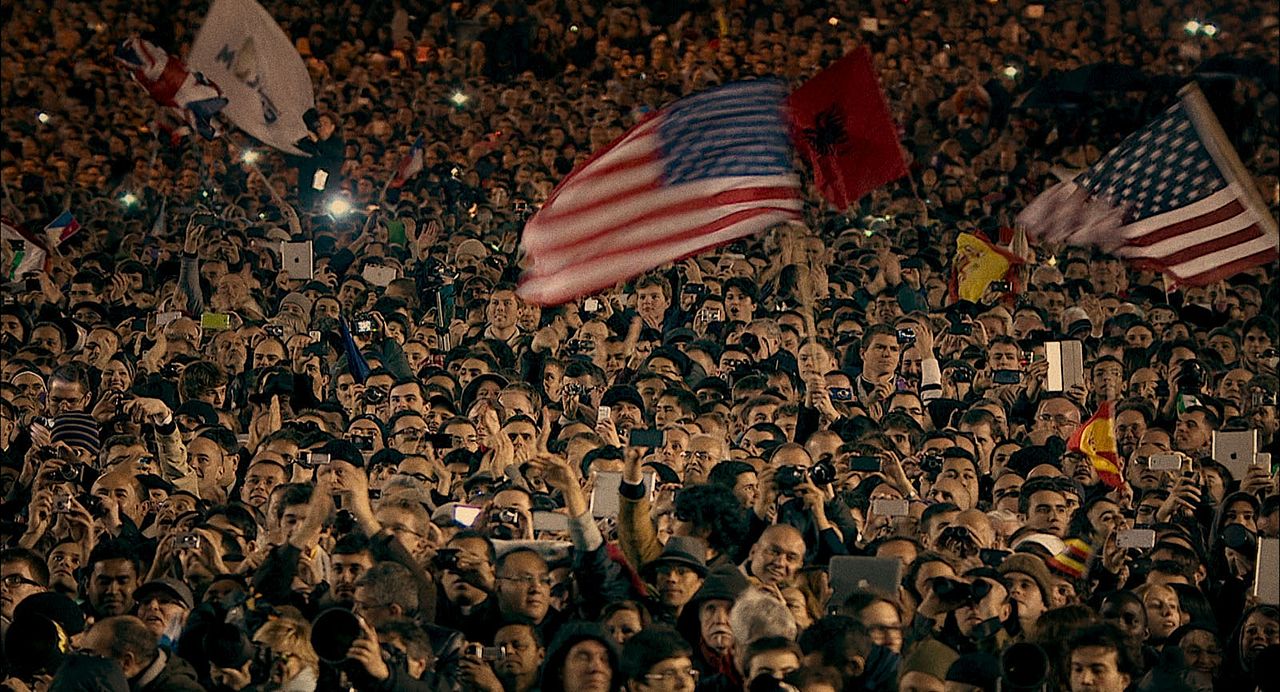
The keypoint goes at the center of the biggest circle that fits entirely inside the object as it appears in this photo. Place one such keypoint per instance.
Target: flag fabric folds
(62, 228)
(1074, 561)
(1172, 197)
(168, 81)
(841, 126)
(32, 254)
(356, 364)
(410, 166)
(1096, 439)
(242, 48)
(704, 171)
(977, 264)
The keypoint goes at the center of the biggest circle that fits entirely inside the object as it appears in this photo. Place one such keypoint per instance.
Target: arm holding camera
(476, 675)
(637, 536)
(171, 453)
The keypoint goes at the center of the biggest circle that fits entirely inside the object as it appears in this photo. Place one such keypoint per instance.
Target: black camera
(505, 516)
(788, 478)
(375, 395)
(906, 336)
(446, 559)
(962, 375)
(580, 346)
(1191, 377)
(276, 330)
(364, 324)
(931, 463)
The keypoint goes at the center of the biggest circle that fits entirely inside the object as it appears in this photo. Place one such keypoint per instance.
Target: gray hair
(758, 613)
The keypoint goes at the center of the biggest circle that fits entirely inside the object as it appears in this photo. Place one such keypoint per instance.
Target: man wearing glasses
(22, 573)
(657, 659)
(523, 589)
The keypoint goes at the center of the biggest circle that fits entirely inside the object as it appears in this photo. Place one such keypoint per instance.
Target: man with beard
(1133, 417)
(349, 560)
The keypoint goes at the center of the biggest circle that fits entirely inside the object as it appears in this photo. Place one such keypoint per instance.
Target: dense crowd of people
(793, 463)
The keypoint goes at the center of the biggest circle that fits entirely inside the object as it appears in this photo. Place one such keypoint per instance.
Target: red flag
(1096, 439)
(840, 124)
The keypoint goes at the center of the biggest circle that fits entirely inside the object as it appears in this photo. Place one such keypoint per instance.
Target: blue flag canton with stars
(1159, 168)
(734, 130)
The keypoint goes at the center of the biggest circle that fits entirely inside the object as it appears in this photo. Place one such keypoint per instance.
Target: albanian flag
(1096, 439)
(841, 126)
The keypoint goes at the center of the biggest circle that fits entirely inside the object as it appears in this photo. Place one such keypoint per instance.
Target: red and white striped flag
(410, 165)
(704, 171)
(1172, 197)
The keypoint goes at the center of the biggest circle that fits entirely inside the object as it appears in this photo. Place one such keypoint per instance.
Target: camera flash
(459, 98)
(43, 117)
(249, 156)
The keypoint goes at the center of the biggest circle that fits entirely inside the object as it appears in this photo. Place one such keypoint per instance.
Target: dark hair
(472, 534)
(717, 510)
(35, 565)
(649, 647)
(115, 549)
(726, 473)
(1035, 485)
(292, 495)
(1107, 636)
(834, 637)
(200, 378)
(352, 543)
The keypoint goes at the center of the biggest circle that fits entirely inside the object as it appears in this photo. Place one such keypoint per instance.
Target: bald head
(778, 555)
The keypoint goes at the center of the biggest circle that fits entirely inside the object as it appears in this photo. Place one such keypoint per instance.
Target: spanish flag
(1096, 439)
(976, 265)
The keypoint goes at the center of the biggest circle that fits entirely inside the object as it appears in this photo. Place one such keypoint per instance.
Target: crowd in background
(204, 487)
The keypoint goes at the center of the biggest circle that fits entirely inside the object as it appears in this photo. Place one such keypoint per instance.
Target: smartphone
(1066, 365)
(297, 260)
(906, 336)
(552, 522)
(319, 180)
(694, 289)
(1141, 539)
(465, 515)
(890, 507)
(591, 305)
(1235, 450)
(439, 440)
(961, 329)
(646, 438)
(189, 540)
(215, 320)
(604, 496)
(1265, 585)
(1164, 462)
(1263, 459)
(1006, 376)
(603, 413)
(395, 233)
(999, 286)
(164, 319)
(864, 464)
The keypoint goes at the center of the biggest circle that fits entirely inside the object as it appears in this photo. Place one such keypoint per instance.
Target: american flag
(704, 171)
(1171, 197)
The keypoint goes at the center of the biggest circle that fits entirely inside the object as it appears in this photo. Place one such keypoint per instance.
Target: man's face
(347, 569)
(586, 667)
(880, 356)
(1056, 416)
(261, 479)
(268, 353)
(1047, 511)
(406, 397)
(961, 470)
(776, 556)
(502, 309)
(524, 656)
(738, 305)
(994, 605)
(209, 463)
(524, 587)
(1108, 380)
(713, 620)
(1004, 356)
(651, 303)
(456, 589)
(19, 583)
(162, 612)
(1097, 669)
(47, 338)
(111, 587)
(676, 584)
(523, 436)
(65, 397)
(776, 664)
(63, 562)
(1192, 432)
(120, 489)
(1130, 425)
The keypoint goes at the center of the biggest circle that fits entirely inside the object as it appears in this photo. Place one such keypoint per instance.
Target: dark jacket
(168, 673)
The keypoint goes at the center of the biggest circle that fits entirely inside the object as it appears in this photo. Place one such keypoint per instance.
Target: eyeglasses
(1057, 419)
(420, 477)
(529, 581)
(410, 433)
(14, 580)
(671, 677)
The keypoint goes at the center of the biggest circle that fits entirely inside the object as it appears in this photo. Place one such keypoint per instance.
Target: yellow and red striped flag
(1096, 439)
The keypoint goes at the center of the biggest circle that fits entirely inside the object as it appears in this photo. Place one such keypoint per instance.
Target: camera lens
(332, 634)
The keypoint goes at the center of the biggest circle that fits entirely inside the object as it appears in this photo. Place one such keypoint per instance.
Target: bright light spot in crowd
(128, 199)
(459, 98)
(339, 206)
(1209, 30)
(249, 156)
(1191, 27)
(43, 117)
(1011, 72)
(834, 21)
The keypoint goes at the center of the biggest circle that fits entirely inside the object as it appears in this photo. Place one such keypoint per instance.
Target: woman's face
(1259, 632)
(622, 625)
(1164, 613)
(116, 377)
(1202, 651)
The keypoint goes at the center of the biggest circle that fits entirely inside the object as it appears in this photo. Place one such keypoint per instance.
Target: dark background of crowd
(183, 497)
